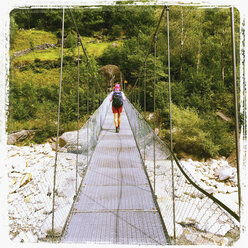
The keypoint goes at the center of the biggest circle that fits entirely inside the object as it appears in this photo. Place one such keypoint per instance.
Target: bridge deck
(115, 203)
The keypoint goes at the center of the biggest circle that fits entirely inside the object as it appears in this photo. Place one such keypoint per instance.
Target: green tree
(13, 30)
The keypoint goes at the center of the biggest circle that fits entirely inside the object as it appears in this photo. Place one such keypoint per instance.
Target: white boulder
(225, 173)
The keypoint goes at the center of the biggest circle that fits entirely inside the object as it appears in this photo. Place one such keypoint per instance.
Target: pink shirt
(111, 96)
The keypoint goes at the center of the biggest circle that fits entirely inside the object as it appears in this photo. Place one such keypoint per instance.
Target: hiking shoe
(116, 130)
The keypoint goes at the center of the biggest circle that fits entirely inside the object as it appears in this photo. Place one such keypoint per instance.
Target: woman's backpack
(117, 99)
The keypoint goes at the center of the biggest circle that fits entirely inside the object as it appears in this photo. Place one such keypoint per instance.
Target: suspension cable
(155, 78)
(88, 89)
(236, 106)
(77, 118)
(154, 109)
(57, 138)
(171, 144)
(151, 44)
(84, 50)
(145, 90)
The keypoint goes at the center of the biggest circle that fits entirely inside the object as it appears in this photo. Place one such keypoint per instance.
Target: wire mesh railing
(191, 214)
(82, 145)
(30, 192)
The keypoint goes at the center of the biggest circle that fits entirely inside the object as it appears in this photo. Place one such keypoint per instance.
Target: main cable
(78, 116)
(151, 44)
(84, 50)
(59, 104)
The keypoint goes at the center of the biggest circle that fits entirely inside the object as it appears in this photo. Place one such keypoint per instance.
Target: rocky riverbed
(198, 219)
(30, 174)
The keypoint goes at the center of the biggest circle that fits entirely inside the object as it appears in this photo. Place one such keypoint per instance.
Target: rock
(14, 174)
(214, 239)
(48, 208)
(234, 180)
(18, 184)
(31, 237)
(230, 199)
(19, 136)
(17, 163)
(26, 179)
(18, 239)
(210, 190)
(76, 149)
(222, 188)
(231, 189)
(212, 226)
(60, 216)
(114, 44)
(60, 149)
(47, 148)
(38, 47)
(196, 194)
(211, 177)
(67, 137)
(70, 138)
(188, 222)
(193, 238)
(26, 237)
(213, 164)
(66, 184)
(225, 173)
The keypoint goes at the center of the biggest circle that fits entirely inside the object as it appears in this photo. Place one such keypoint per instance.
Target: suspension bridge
(116, 199)
(116, 203)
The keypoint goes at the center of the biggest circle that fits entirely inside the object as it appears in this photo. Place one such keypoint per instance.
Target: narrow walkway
(115, 204)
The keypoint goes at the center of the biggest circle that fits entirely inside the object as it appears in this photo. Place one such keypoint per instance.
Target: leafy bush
(33, 101)
(188, 134)
(200, 137)
(220, 133)
(116, 31)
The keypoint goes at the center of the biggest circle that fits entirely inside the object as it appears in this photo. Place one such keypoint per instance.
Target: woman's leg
(119, 116)
(119, 119)
(116, 119)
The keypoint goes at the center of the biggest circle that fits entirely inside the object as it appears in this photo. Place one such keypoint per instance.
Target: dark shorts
(117, 110)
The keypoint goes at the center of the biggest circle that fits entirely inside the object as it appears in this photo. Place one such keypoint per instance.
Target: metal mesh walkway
(115, 203)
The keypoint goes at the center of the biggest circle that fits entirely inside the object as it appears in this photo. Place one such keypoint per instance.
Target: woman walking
(117, 97)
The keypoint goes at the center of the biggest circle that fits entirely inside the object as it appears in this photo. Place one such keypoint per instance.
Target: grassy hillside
(25, 39)
(36, 75)
(30, 38)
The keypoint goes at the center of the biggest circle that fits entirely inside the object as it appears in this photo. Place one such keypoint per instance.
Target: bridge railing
(31, 206)
(191, 215)
(78, 150)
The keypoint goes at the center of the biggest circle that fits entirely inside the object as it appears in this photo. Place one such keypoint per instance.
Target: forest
(201, 71)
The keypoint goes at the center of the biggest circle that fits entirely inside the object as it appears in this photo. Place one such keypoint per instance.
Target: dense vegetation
(201, 70)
